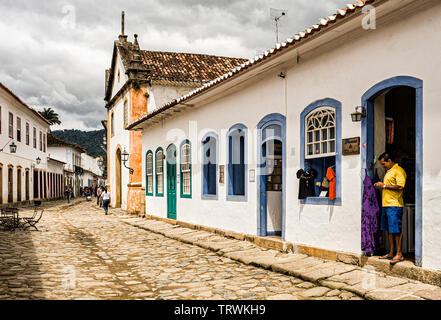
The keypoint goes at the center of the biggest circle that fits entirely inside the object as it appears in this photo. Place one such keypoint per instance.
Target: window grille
(320, 133)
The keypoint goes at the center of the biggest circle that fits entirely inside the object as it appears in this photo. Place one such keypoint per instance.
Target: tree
(50, 116)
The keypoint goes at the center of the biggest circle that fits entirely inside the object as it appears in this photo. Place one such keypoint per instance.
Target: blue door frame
(274, 118)
(367, 140)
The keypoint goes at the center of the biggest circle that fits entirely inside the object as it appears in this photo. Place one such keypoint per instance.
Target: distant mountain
(91, 140)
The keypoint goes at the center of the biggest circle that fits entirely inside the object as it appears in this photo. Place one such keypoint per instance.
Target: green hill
(91, 140)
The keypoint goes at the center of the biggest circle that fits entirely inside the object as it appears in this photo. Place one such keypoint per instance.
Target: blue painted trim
(274, 118)
(367, 153)
(146, 178)
(186, 196)
(204, 196)
(328, 102)
(159, 194)
(231, 197)
(273, 233)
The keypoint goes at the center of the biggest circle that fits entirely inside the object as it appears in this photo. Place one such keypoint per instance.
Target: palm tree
(50, 116)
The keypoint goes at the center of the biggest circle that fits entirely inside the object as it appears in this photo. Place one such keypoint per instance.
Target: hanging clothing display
(306, 184)
(390, 129)
(370, 213)
(330, 175)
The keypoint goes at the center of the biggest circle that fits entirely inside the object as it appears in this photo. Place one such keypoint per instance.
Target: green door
(171, 182)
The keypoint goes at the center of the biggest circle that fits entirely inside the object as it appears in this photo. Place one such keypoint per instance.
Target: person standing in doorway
(106, 200)
(393, 204)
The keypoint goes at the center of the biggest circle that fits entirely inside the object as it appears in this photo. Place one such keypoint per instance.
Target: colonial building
(238, 152)
(137, 82)
(92, 174)
(70, 154)
(27, 173)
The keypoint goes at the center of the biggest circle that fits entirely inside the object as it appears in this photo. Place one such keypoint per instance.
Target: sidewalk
(365, 281)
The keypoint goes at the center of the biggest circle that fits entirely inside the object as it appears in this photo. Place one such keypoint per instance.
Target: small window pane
(324, 147)
(332, 133)
(332, 146)
(310, 136)
(317, 136)
(324, 134)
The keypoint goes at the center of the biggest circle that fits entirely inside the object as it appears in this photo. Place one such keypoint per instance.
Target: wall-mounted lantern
(12, 147)
(125, 157)
(359, 114)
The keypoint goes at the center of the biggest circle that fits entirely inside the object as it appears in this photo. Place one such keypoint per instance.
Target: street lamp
(359, 113)
(125, 157)
(38, 161)
(12, 147)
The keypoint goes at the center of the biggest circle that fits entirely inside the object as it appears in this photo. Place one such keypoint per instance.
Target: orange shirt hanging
(331, 177)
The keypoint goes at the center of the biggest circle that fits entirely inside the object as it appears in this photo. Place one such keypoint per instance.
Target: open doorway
(118, 183)
(271, 176)
(395, 132)
(272, 187)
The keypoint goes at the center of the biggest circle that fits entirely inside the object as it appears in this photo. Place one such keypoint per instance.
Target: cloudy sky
(54, 53)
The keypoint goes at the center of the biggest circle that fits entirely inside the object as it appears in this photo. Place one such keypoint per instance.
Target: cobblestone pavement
(79, 253)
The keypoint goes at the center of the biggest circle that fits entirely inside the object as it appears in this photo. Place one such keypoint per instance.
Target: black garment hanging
(306, 183)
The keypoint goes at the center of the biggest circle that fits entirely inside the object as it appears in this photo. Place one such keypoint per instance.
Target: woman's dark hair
(386, 156)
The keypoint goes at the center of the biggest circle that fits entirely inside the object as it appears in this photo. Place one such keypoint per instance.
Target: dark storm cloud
(54, 53)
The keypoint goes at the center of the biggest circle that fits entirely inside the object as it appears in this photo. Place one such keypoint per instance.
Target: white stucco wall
(119, 140)
(159, 95)
(345, 73)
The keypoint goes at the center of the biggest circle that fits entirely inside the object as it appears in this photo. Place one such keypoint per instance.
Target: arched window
(321, 150)
(149, 173)
(159, 168)
(209, 166)
(237, 168)
(320, 133)
(186, 169)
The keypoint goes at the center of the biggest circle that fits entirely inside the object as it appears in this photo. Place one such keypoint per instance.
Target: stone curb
(405, 269)
(363, 282)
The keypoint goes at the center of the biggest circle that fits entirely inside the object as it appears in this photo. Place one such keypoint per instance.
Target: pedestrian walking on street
(106, 200)
(68, 193)
(98, 195)
(393, 203)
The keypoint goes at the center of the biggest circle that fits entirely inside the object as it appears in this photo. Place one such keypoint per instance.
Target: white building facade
(24, 174)
(228, 155)
(70, 155)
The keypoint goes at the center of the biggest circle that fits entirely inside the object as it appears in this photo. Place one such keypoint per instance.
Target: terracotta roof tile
(176, 66)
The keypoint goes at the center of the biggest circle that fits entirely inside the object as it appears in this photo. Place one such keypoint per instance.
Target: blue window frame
(209, 165)
(237, 145)
(326, 153)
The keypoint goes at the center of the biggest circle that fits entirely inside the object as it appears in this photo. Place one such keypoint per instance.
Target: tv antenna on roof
(276, 16)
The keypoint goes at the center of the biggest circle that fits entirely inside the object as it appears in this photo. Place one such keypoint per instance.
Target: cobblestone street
(79, 253)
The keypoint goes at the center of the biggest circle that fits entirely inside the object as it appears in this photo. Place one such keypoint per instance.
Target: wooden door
(171, 182)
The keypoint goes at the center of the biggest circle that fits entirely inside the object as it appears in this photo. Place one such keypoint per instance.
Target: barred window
(149, 169)
(159, 172)
(186, 169)
(320, 133)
